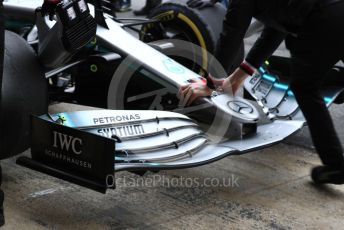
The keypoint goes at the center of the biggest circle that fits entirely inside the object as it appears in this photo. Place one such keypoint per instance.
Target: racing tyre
(175, 20)
(23, 92)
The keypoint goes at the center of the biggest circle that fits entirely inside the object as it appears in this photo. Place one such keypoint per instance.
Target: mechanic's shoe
(122, 5)
(150, 4)
(327, 175)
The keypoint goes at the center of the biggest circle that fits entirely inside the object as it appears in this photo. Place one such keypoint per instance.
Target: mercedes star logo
(240, 107)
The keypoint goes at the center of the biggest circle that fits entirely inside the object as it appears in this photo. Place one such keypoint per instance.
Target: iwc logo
(66, 142)
(240, 107)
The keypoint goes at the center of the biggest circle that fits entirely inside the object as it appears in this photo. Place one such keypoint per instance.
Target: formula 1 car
(80, 53)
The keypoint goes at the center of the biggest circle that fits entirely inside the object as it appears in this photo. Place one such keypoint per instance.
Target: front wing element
(88, 147)
(276, 98)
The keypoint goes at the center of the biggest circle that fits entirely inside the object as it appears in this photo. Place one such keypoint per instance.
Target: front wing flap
(88, 147)
(276, 98)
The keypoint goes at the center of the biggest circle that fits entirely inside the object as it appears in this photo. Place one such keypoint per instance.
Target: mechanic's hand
(189, 93)
(200, 4)
(234, 81)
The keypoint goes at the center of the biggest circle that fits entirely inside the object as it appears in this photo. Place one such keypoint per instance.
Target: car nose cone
(240, 107)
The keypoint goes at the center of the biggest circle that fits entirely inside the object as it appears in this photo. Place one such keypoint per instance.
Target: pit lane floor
(266, 189)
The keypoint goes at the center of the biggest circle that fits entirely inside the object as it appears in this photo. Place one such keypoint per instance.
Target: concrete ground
(266, 189)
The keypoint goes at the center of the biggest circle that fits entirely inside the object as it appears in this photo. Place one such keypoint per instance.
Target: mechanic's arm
(265, 46)
(262, 49)
(235, 25)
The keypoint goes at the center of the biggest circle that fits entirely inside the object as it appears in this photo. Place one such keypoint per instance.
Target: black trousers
(318, 46)
(2, 28)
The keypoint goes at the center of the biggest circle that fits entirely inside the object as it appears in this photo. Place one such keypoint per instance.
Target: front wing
(89, 147)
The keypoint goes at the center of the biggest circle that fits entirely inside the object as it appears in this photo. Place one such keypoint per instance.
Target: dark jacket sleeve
(2, 37)
(236, 22)
(265, 46)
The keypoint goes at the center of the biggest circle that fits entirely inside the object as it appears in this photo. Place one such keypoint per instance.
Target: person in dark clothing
(150, 4)
(2, 31)
(314, 33)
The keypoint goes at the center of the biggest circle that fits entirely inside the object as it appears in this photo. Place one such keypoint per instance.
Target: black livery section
(70, 154)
